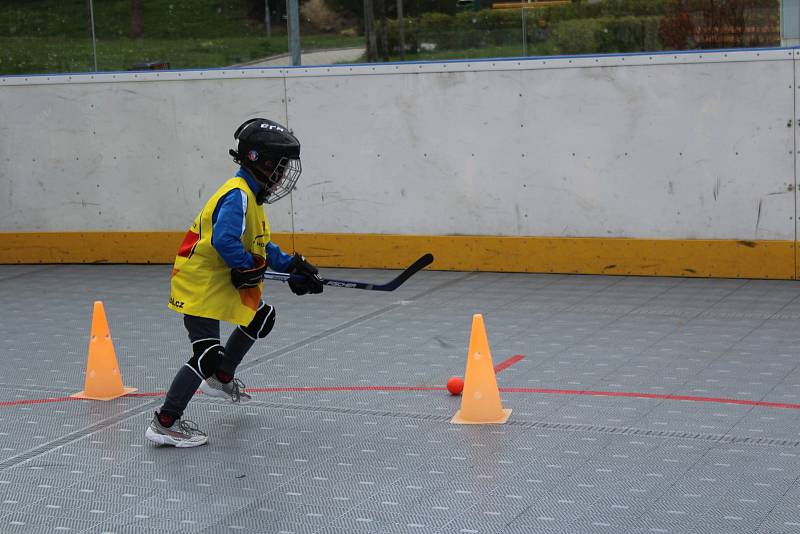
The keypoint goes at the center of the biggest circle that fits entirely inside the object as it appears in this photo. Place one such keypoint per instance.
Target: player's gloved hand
(310, 283)
(245, 278)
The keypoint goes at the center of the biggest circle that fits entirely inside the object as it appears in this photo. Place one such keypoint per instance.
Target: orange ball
(455, 385)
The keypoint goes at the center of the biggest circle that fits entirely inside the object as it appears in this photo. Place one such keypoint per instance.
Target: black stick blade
(410, 271)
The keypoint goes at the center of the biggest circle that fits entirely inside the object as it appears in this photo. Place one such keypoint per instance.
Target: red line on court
(508, 362)
(505, 364)
(300, 389)
(36, 401)
(717, 400)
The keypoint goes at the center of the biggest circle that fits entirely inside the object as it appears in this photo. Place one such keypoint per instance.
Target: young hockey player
(217, 276)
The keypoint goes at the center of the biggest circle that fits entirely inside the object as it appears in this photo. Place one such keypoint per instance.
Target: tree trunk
(402, 32)
(384, 31)
(89, 17)
(267, 19)
(137, 19)
(369, 31)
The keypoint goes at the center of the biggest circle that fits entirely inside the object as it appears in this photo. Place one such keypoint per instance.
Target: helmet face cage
(283, 179)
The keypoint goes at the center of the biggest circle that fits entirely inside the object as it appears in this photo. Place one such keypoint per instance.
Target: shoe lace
(236, 389)
(190, 427)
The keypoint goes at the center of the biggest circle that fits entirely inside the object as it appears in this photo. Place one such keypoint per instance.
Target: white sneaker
(182, 433)
(233, 390)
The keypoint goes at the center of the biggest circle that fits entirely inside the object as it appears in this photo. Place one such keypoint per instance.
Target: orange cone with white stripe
(480, 400)
(103, 379)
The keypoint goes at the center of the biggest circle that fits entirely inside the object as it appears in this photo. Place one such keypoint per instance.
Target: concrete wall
(685, 150)
(667, 146)
(124, 155)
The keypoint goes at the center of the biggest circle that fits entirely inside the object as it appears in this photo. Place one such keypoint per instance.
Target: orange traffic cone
(103, 380)
(480, 400)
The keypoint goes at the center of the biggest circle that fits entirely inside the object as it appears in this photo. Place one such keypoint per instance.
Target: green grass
(51, 55)
(31, 55)
(49, 36)
(52, 36)
(539, 49)
(162, 18)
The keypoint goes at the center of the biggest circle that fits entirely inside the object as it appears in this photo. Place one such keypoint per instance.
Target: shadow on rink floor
(640, 405)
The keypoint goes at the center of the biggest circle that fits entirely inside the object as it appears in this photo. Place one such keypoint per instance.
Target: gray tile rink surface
(332, 443)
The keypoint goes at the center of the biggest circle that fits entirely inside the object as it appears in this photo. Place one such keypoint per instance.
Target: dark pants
(186, 380)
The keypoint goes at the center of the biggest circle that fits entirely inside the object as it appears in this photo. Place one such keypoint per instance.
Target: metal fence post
(94, 38)
(524, 34)
(790, 23)
(293, 20)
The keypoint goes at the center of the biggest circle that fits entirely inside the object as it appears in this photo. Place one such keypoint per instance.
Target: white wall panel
(680, 150)
(674, 145)
(122, 156)
(796, 121)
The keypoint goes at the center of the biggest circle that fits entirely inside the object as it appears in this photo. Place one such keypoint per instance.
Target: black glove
(245, 278)
(310, 283)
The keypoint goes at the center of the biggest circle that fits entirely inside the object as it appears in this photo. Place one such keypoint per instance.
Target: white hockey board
(695, 145)
(687, 150)
(129, 155)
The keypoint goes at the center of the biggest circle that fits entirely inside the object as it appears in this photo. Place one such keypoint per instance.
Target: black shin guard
(262, 323)
(235, 349)
(243, 337)
(208, 355)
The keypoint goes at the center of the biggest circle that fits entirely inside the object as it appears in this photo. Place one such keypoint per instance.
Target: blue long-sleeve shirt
(228, 226)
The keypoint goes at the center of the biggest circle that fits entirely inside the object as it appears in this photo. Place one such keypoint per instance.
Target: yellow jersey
(201, 283)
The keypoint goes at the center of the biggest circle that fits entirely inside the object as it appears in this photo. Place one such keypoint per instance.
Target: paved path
(316, 57)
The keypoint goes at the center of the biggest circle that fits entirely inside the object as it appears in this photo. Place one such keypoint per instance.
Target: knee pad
(207, 357)
(262, 323)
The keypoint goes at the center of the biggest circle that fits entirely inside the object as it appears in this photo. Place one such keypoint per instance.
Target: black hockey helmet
(271, 153)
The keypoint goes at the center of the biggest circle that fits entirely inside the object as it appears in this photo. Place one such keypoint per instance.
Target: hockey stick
(412, 269)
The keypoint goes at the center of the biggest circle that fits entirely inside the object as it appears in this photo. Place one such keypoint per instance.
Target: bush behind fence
(608, 27)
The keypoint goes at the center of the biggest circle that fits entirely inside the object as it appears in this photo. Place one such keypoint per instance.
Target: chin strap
(262, 196)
